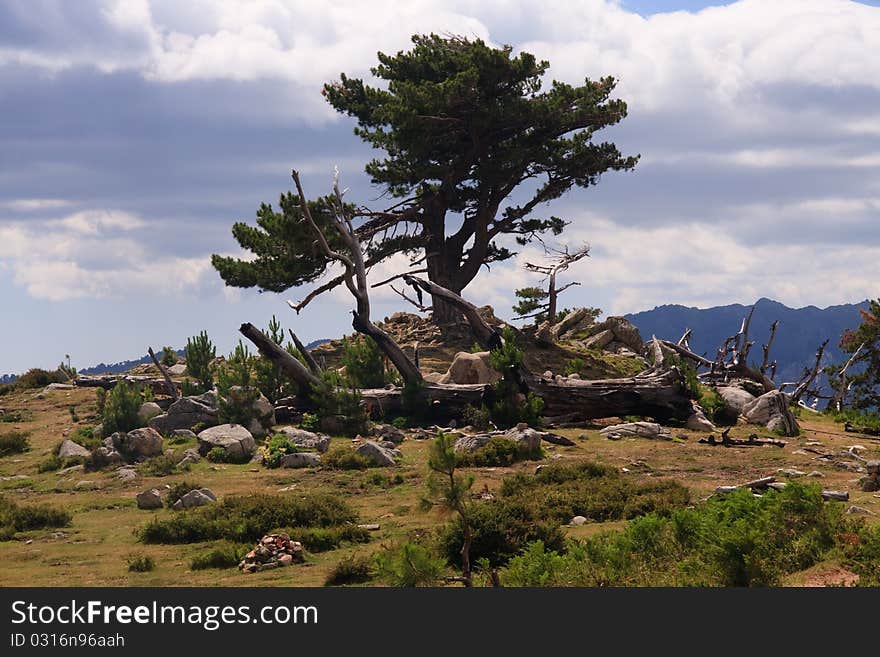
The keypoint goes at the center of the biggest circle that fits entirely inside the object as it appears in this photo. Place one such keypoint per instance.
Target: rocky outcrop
(306, 439)
(233, 438)
(698, 421)
(470, 368)
(636, 430)
(185, 413)
(135, 445)
(378, 455)
(735, 398)
(771, 410)
(194, 498)
(615, 334)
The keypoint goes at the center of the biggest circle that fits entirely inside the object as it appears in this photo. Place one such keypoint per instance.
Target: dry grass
(93, 551)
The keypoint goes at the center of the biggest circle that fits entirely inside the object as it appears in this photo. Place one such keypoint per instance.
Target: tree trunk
(169, 384)
(287, 363)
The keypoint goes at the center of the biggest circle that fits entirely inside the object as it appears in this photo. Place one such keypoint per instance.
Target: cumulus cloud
(89, 255)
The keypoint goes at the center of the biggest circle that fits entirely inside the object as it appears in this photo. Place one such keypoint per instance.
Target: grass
(354, 569)
(139, 563)
(225, 555)
(14, 442)
(101, 531)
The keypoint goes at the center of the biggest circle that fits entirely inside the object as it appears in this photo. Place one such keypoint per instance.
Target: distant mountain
(8, 378)
(800, 332)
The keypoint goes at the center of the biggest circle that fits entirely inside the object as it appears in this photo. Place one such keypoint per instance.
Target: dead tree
(844, 385)
(287, 363)
(169, 384)
(560, 261)
(306, 355)
(355, 275)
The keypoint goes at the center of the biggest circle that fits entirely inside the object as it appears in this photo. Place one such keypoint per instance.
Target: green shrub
(323, 539)
(732, 540)
(86, 437)
(350, 570)
(277, 446)
(344, 457)
(409, 564)
(236, 407)
(121, 408)
(169, 356)
(217, 455)
(574, 366)
(140, 563)
(248, 518)
(310, 422)
(414, 403)
(511, 405)
(859, 419)
(14, 442)
(333, 398)
(199, 353)
(400, 422)
(499, 451)
(50, 464)
(15, 518)
(477, 417)
(500, 529)
(269, 378)
(39, 378)
(13, 416)
(225, 555)
(381, 480)
(159, 466)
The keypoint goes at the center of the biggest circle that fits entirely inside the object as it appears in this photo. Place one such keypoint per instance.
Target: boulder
(149, 499)
(578, 520)
(190, 455)
(234, 438)
(771, 410)
(104, 456)
(69, 449)
(433, 377)
(127, 473)
(736, 399)
(178, 369)
(182, 434)
(148, 411)
(389, 432)
(195, 498)
(376, 454)
(184, 414)
(301, 438)
(300, 460)
(525, 436)
(255, 404)
(471, 368)
(623, 331)
(138, 444)
(636, 430)
(600, 340)
(698, 421)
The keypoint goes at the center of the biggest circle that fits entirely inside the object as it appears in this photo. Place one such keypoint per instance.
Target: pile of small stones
(273, 551)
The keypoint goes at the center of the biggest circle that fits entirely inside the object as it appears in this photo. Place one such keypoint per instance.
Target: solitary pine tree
(463, 126)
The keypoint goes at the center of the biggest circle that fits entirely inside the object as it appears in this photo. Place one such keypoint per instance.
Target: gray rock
(248, 398)
(300, 460)
(87, 485)
(471, 368)
(859, 511)
(301, 438)
(183, 434)
(529, 438)
(791, 473)
(70, 449)
(816, 474)
(574, 376)
(178, 369)
(578, 520)
(148, 411)
(600, 340)
(126, 474)
(636, 430)
(472, 443)
(234, 438)
(376, 454)
(140, 443)
(58, 386)
(190, 455)
(839, 495)
(184, 414)
(149, 499)
(389, 432)
(208, 398)
(771, 410)
(698, 421)
(194, 498)
(104, 456)
(736, 399)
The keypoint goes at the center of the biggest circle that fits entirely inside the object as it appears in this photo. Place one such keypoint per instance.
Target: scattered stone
(58, 386)
(838, 495)
(148, 411)
(73, 468)
(370, 527)
(87, 485)
(300, 460)
(183, 434)
(126, 474)
(234, 438)
(377, 455)
(194, 498)
(149, 499)
(137, 444)
(547, 374)
(578, 520)
(791, 473)
(816, 474)
(574, 376)
(813, 443)
(190, 456)
(178, 369)
(70, 449)
(698, 421)
(636, 430)
(106, 456)
(600, 340)
(272, 551)
(301, 438)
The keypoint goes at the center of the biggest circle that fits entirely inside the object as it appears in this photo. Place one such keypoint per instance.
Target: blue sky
(136, 132)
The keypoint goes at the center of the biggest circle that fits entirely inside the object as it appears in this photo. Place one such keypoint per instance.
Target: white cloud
(33, 204)
(81, 256)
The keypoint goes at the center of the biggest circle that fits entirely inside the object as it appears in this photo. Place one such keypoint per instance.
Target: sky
(135, 132)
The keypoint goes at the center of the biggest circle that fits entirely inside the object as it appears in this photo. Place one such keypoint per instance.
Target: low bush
(140, 563)
(15, 518)
(499, 451)
(350, 570)
(248, 518)
(277, 447)
(51, 464)
(324, 539)
(859, 419)
(39, 378)
(225, 555)
(344, 457)
(477, 416)
(310, 422)
(409, 564)
(734, 540)
(382, 480)
(14, 442)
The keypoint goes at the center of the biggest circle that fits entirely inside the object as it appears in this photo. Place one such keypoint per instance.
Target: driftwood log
(109, 381)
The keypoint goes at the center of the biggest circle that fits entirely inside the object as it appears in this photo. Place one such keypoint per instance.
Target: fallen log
(109, 381)
(287, 363)
(752, 441)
